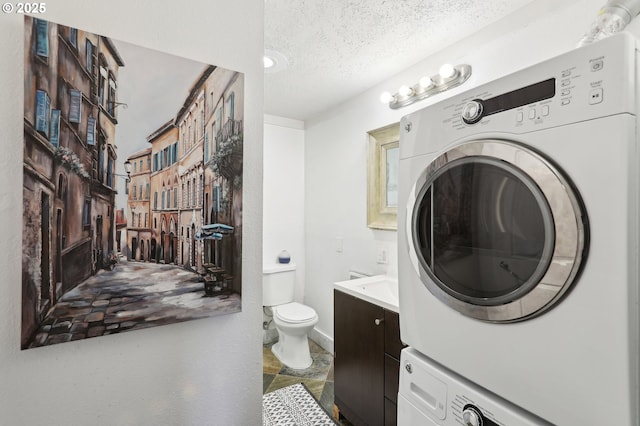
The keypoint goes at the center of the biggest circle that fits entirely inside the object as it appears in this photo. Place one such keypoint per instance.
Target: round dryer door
(496, 231)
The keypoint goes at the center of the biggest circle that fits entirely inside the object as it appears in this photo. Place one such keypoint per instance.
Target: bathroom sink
(381, 290)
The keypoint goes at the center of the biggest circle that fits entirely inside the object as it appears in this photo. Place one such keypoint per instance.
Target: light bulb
(405, 91)
(386, 97)
(425, 82)
(447, 71)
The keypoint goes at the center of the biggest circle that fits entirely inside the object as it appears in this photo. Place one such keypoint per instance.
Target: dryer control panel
(431, 395)
(588, 83)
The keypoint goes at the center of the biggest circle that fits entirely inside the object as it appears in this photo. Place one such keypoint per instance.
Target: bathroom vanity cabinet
(367, 361)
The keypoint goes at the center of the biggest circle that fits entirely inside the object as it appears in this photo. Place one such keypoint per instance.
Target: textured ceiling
(337, 49)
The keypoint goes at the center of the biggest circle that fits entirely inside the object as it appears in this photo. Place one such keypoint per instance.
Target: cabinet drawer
(391, 378)
(392, 343)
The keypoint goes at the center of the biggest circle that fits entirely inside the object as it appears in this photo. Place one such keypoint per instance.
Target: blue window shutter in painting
(54, 135)
(232, 105)
(175, 151)
(89, 54)
(75, 107)
(42, 38)
(91, 131)
(216, 199)
(42, 112)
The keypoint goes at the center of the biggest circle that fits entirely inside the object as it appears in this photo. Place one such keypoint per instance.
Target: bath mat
(293, 406)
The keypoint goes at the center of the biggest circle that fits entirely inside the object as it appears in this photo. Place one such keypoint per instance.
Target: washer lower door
(496, 231)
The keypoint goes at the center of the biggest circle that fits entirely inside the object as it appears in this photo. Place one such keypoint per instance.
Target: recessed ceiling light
(268, 62)
(274, 61)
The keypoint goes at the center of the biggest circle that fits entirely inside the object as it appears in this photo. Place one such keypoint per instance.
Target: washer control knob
(471, 416)
(472, 112)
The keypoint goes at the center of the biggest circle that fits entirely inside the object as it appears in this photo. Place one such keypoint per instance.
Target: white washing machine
(518, 235)
(431, 395)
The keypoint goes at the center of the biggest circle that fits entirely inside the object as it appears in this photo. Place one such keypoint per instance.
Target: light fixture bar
(448, 77)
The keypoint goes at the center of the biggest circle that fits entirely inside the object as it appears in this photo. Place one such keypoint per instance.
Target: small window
(175, 198)
(155, 200)
(89, 56)
(42, 38)
(86, 214)
(206, 146)
(73, 37)
(75, 106)
(135, 192)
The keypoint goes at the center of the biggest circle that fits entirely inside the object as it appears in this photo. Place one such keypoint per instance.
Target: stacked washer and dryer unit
(518, 247)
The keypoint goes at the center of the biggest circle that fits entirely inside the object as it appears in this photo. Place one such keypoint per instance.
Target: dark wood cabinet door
(392, 343)
(359, 360)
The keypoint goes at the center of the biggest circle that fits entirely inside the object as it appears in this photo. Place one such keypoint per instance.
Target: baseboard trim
(322, 339)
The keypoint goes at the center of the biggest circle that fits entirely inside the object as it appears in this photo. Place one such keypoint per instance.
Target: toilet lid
(295, 312)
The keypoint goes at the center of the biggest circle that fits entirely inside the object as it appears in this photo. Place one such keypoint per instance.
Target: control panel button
(472, 112)
(595, 96)
(566, 101)
(532, 113)
(519, 116)
(565, 92)
(471, 417)
(566, 73)
(597, 65)
(565, 82)
(545, 110)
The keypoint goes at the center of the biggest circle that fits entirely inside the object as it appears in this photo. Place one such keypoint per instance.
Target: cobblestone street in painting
(133, 296)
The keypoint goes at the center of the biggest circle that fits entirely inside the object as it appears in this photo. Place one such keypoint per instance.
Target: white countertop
(381, 290)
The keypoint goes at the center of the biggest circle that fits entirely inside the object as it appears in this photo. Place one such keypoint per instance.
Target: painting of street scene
(132, 208)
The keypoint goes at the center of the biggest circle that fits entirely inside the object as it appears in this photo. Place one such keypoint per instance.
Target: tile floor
(318, 378)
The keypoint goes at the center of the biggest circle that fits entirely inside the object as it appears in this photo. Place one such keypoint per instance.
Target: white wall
(204, 372)
(283, 189)
(336, 141)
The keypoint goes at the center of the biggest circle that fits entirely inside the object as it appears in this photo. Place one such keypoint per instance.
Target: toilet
(293, 320)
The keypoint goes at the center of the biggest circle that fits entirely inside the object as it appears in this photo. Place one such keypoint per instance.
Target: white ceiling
(337, 49)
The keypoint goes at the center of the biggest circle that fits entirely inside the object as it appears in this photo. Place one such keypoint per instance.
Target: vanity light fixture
(448, 77)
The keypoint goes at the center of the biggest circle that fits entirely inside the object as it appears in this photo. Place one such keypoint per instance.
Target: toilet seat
(294, 313)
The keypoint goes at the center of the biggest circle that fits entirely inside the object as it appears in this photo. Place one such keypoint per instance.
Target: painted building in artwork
(195, 179)
(164, 190)
(70, 100)
(223, 170)
(139, 232)
(190, 122)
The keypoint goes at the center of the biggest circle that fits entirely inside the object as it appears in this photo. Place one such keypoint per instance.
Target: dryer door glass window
(483, 231)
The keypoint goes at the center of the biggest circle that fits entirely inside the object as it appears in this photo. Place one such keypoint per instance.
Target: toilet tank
(278, 283)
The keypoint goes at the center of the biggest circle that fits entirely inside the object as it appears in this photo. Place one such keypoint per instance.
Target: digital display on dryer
(534, 93)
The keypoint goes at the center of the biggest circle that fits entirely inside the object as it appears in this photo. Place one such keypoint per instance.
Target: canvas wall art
(132, 187)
